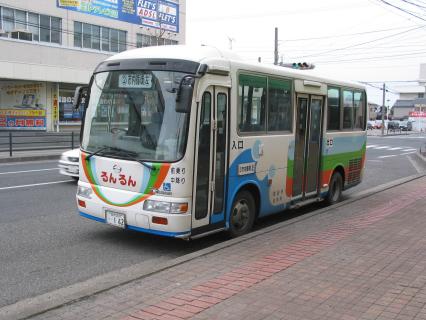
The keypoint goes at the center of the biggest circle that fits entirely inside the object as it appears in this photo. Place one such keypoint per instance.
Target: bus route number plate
(116, 219)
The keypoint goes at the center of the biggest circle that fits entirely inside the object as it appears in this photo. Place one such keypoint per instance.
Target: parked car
(68, 163)
(393, 125)
(378, 124)
(370, 125)
(405, 125)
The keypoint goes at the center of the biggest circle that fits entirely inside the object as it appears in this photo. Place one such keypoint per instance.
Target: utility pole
(276, 47)
(231, 40)
(383, 109)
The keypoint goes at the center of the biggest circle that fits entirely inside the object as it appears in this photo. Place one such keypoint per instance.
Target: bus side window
(279, 105)
(252, 103)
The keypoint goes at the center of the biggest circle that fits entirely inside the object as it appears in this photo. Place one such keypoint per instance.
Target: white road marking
(388, 156)
(24, 171)
(375, 160)
(396, 155)
(396, 148)
(35, 184)
(415, 165)
(382, 147)
(406, 150)
(372, 146)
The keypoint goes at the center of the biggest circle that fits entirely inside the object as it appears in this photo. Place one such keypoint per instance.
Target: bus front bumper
(134, 217)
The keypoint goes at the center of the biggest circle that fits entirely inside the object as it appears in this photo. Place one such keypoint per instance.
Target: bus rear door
(307, 155)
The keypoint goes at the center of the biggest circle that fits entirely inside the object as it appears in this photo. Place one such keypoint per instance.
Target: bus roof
(217, 57)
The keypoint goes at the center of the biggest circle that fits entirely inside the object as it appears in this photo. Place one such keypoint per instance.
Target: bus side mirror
(79, 96)
(184, 95)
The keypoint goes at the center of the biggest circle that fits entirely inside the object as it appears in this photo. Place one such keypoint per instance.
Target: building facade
(48, 49)
(411, 104)
(373, 110)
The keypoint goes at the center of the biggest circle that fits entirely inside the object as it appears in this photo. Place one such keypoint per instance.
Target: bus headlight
(165, 207)
(84, 192)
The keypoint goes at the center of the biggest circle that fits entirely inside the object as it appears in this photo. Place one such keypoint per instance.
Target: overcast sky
(360, 40)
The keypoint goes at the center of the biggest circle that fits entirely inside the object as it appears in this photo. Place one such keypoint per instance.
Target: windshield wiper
(130, 155)
(115, 151)
(96, 152)
(146, 165)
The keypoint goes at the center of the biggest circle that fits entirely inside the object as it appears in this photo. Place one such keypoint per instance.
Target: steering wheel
(116, 130)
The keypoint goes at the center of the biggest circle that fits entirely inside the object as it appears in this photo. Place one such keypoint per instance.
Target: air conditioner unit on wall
(22, 34)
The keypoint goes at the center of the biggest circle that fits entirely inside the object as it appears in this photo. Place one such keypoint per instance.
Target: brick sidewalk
(363, 260)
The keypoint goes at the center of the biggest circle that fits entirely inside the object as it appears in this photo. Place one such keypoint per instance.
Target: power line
(387, 8)
(342, 35)
(362, 43)
(414, 4)
(371, 58)
(403, 10)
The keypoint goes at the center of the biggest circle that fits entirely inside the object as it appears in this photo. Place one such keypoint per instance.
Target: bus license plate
(116, 219)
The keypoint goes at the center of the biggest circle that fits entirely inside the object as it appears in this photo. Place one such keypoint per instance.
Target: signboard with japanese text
(22, 105)
(417, 114)
(158, 14)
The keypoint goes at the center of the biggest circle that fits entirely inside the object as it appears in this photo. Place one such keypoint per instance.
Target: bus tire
(335, 189)
(242, 214)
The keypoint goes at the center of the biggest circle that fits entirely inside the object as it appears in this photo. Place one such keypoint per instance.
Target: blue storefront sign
(149, 13)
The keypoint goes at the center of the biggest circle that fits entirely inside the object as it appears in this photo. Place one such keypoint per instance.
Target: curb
(52, 300)
(30, 158)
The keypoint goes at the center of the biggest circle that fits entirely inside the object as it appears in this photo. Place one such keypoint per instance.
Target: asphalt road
(45, 245)
(390, 158)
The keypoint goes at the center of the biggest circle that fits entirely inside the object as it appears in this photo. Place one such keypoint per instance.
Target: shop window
(67, 113)
(33, 26)
(251, 104)
(7, 19)
(87, 35)
(333, 109)
(78, 34)
(55, 30)
(20, 20)
(105, 38)
(95, 37)
(143, 40)
(44, 28)
(29, 26)
(279, 105)
(114, 40)
(122, 41)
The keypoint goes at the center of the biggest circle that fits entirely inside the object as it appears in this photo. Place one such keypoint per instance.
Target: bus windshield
(134, 112)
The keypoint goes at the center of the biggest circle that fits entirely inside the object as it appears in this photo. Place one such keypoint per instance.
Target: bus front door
(211, 161)
(307, 156)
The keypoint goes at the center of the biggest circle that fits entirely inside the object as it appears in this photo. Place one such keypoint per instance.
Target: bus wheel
(335, 189)
(242, 214)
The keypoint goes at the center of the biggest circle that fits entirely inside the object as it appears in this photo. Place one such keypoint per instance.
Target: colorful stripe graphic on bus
(151, 180)
(341, 153)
